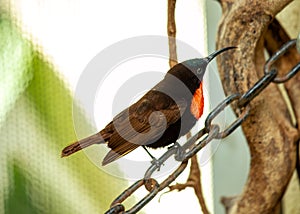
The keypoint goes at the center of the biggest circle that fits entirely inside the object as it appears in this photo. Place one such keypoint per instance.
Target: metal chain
(210, 131)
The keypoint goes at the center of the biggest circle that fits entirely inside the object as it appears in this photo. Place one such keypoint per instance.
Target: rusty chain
(210, 131)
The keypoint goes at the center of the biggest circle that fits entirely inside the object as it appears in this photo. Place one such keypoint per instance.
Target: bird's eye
(198, 70)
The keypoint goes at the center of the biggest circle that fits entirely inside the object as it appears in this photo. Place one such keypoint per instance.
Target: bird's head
(198, 65)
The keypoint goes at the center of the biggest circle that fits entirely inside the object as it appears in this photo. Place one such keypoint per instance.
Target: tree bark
(269, 130)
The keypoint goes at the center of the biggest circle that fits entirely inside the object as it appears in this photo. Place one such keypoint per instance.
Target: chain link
(210, 131)
(257, 88)
(220, 108)
(276, 56)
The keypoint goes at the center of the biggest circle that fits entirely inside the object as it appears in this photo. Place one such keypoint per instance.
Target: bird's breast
(197, 104)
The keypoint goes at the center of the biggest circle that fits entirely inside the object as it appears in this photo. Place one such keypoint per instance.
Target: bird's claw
(157, 163)
(179, 151)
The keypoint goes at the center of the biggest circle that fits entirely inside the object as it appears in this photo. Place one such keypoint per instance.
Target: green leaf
(18, 201)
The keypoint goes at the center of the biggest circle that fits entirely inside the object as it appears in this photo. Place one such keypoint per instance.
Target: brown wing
(141, 124)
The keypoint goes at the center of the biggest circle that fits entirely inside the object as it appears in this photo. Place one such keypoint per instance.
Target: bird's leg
(154, 160)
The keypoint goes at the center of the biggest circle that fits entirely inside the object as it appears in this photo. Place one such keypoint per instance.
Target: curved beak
(216, 53)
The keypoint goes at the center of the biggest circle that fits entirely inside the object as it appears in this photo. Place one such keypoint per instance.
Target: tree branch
(194, 181)
(172, 33)
(275, 37)
(269, 131)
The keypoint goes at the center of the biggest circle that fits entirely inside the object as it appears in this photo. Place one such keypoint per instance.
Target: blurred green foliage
(35, 124)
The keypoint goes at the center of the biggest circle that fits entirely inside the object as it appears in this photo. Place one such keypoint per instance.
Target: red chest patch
(197, 104)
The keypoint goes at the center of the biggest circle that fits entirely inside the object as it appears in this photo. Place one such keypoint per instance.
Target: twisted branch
(269, 130)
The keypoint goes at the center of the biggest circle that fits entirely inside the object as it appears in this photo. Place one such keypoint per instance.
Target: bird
(165, 113)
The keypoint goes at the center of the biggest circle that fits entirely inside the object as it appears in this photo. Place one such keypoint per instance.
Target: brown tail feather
(110, 157)
(118, 152)
(77, 146)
